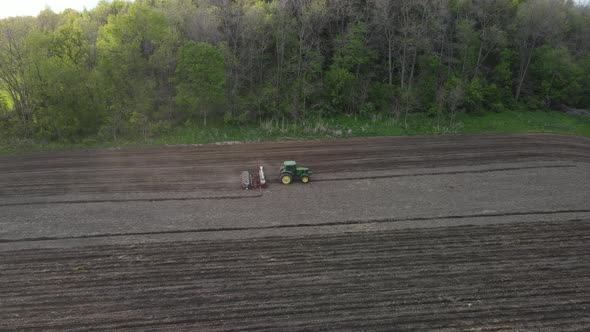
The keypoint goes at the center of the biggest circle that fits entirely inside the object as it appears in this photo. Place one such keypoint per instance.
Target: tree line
(143, 67)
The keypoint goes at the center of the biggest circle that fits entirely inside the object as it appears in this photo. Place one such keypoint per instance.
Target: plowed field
(484, 233)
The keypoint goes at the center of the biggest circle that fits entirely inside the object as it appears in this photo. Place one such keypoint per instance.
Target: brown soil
(212, 167)
(529, 276)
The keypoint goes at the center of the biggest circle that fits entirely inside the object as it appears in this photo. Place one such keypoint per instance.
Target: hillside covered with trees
(142, 68)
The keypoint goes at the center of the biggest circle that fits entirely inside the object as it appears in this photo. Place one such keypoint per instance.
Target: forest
(142, 68)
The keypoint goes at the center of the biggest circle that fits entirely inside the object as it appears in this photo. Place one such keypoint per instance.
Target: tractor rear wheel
(286, 178)
(305, 178)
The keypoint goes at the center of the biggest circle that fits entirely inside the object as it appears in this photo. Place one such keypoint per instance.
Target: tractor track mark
(506, 169)
(163, 199)
(300, 225)
(134, 200)
(522, 276)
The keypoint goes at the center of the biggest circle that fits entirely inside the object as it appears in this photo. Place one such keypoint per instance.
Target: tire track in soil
(260, 194)
(526, 276)
(297, 225)
(481, 171)
(125, 200)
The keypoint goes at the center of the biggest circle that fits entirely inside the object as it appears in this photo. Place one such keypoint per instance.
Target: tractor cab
(290, 171)
(289, 166)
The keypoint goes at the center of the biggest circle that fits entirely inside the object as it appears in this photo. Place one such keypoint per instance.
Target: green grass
(526, 122)
(341, 127)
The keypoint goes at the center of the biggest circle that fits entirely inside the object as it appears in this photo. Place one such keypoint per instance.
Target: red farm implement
(255, 179)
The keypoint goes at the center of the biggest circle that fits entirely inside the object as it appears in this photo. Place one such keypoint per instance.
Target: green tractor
(290, 171)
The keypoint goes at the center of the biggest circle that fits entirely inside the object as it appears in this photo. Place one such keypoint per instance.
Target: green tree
(135, 67)
(469, 45)
(348, 79)
(556, 74)
(200, 77)
(584, 81)
(127, 48)
(539, 23)
(68, 102)
(15, 67)
(339, 88)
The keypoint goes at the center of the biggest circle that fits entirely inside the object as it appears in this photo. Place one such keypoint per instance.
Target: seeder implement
(256, 179)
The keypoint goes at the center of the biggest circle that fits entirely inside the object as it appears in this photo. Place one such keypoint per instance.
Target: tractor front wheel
(286, 178)
(305, 178)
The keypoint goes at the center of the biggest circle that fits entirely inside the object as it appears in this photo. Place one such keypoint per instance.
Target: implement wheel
(245, 180)
(286, 178)
(305, 178)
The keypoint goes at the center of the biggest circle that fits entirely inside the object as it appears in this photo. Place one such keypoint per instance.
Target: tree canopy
(137, 68)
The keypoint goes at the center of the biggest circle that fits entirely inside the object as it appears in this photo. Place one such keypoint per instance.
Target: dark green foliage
(584, 81)
(129, 46)
(200, 78)
(558, 77)
(349, 75)
(139, 69)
